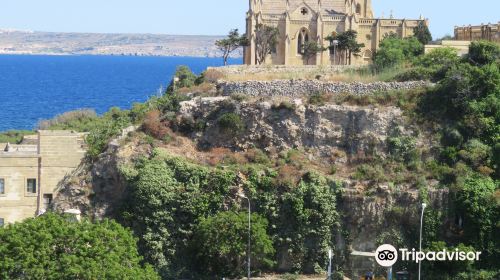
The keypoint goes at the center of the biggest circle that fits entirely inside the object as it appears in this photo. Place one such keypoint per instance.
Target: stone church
(299, 21)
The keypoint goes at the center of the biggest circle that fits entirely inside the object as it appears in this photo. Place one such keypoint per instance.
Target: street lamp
(420, 247)
(249, 232)
(335, 43)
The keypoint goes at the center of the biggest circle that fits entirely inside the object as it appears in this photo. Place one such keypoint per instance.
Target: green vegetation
(231, 43)
(347, 45)
(422, 33)
(395, 52)
(231, 124)
(14, 136)
(266, 40)
(221, 246)
(174, 206)
(464, 110)
(55, 247)
(310, 49)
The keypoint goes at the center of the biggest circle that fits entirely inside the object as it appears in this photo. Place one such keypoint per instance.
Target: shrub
(257, 156)
(213, 75)
(186, 77)
(153, 125)
(79, 120)
(221, 245)
(231, 124)
(475, 202)
(414, 74)
(395, 51)
(484, 52)
(14, 136)
(374, 173)
(475, 152)
(71, 250)
(319, 98)
(239, 97)
(284, 105)
(402, 148)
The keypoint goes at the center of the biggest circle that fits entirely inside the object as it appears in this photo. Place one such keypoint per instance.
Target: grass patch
(14, 136)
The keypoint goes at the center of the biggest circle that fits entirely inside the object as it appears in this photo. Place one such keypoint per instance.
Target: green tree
(484, 52)
(221, 242)
(266, 40)
(311, 49)
(476, 203)
(307, 223)
(54, 247)
(231, 43)
(347, 45)
(422, 33)
(394, 51)
(167, 198)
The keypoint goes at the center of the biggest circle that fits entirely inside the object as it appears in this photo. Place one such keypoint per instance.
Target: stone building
(489, 32)
(300, 21)
(31, 171)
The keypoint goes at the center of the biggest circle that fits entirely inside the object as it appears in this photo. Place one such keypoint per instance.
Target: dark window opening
(31, 186)
(47, 200)
(304, 11)
(2, 186)
(2, 222)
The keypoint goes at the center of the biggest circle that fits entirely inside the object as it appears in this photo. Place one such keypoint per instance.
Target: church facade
(300, 21)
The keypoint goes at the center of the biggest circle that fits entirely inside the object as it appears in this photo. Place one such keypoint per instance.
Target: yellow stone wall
(57, 154)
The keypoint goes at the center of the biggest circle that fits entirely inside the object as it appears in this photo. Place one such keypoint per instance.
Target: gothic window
(2, 186)
(303, 38)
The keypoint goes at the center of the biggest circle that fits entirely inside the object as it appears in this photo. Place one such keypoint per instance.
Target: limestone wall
(53, 156)
(490, 32)
(16, 204)
(294, 88)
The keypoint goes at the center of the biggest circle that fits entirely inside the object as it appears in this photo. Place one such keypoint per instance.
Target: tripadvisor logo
(386, 255)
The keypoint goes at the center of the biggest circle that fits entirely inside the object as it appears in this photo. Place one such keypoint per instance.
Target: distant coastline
(13, 42)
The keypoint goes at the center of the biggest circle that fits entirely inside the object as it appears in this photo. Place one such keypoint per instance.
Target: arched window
(302, 39)
(358, 9)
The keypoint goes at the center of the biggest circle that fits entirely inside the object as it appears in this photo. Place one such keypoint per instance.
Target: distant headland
(57, 43)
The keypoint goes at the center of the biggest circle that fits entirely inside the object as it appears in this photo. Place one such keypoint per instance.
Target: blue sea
(33, 88)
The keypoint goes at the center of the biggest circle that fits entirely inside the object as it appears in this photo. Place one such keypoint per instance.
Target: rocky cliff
(328, 135)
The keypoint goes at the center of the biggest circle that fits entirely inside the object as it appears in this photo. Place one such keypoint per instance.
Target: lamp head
(424, 205)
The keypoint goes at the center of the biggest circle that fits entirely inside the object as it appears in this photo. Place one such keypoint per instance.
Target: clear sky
(208, 17)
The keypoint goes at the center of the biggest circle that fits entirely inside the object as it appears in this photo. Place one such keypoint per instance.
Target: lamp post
(420, 246)
(335, 43)
(330, 256)
(249, 233)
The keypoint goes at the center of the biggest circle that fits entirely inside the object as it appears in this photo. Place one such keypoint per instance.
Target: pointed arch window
(302, 40)
(358, 9)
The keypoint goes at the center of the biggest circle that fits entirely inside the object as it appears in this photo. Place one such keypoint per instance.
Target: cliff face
(331, 134)
(292, 124)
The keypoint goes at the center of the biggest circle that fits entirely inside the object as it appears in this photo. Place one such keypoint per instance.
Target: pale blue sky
(208, 17)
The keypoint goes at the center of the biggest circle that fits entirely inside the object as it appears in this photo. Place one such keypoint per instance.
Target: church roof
(327, 7)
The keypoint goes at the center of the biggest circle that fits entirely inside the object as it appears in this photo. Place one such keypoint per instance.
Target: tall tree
(422, 33)
(266, 39)
(311, 49)
(54, 247)
(348, 45)
(231, 43)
